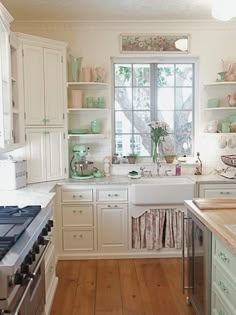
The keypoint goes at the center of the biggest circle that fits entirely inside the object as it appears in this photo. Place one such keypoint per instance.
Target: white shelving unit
(219, 90)
(88, 85)
(88, 135)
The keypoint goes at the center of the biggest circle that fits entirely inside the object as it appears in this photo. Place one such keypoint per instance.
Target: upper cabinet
(9, 121)
(44, 81)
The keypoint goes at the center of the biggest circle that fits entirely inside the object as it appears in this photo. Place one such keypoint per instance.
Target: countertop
(41, 194)
(215, 221)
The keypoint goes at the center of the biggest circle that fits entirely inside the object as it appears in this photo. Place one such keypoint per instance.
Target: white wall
(97, 42)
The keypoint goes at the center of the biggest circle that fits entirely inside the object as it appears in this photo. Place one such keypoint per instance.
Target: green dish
(79, 131)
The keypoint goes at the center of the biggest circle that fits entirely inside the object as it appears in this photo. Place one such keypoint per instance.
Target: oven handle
(30, 280)
(183, 253)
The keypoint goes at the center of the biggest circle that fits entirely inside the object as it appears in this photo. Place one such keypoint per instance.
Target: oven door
(30, 299)
(198, 267)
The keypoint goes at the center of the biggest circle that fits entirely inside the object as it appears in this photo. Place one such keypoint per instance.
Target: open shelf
(88, 85)
(89, 135)
(84, 109)
(220, 108)
(220, 83)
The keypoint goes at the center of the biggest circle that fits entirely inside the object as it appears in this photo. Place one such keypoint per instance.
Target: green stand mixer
(80, 167)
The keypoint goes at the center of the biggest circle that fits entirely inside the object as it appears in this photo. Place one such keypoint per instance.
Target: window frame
(156, 60)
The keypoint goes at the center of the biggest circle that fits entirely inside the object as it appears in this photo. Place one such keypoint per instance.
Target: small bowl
(213, 102)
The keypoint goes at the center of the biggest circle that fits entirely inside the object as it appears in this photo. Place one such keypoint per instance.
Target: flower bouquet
(159, 129)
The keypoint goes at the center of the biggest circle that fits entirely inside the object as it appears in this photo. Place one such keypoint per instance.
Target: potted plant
(169, 157)
(132, 158)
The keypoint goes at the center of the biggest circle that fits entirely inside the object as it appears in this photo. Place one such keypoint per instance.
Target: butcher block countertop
(217, 219)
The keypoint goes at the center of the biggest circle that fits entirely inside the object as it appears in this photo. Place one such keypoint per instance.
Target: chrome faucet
(158, 167)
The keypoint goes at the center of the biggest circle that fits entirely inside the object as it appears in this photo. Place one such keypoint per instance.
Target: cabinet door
(112, 227)
(54, 87)
(55, 153)
(33, 85)
(5, 88)
(36, 155)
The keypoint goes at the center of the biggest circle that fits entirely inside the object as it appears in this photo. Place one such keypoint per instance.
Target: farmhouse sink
(161, 190)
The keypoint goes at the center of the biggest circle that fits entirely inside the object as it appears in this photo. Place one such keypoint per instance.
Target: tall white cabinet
(44, 78)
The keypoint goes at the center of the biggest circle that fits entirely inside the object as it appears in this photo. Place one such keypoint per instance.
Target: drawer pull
(74, 211)
(81, 211)
(223, 257)
(225, 192)
(75, 196)
(223, 287)
(81, 236)
(113, 195)
(116, 206)
(109, 206)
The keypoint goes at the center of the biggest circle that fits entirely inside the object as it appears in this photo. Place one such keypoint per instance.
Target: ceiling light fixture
(223, 10)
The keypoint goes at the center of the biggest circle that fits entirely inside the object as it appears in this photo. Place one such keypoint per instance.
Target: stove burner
(13, 222)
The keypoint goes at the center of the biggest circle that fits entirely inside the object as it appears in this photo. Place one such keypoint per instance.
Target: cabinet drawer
(112, 195)
(224, 285)
(74, 215)
(82, 195)
(220, 193)
(225, 258)
(218, 305)
(78, 240)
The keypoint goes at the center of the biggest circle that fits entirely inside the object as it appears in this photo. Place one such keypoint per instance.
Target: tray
(215, 204)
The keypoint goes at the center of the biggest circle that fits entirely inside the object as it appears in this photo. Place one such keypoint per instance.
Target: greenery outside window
(144, 92)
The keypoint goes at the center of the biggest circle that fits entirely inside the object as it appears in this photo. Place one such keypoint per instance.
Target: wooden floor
(120, 287)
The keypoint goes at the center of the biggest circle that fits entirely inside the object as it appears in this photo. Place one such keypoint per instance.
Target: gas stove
(24, 239)
(13, 222)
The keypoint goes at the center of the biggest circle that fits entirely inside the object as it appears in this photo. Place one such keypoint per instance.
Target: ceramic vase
(75, 65)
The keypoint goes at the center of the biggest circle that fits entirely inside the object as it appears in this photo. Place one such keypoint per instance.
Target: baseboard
(121, 255)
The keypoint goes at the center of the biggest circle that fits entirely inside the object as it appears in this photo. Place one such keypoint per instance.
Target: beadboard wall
(97, 42)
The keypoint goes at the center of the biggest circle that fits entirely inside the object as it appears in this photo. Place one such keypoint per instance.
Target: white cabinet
(223, 279)
(10, 112)
(44, 85)
(45, 153)
(112, 226)
(217, 190)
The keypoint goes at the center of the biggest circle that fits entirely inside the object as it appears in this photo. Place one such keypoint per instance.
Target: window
(144, 92)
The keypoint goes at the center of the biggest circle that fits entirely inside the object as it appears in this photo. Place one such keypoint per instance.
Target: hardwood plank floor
(120, 287)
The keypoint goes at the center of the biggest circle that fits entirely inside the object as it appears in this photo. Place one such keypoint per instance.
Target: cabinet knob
(109, 195)
(116, 195)
(81, 211)
(81, 196)
(74, 196)
(74, 211)
(81, 236)
(109, 206)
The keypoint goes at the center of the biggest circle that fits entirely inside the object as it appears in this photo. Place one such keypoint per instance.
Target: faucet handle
(167, 172)
(142, 168)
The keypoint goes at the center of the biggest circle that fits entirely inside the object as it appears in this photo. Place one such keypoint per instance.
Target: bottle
(178, 169)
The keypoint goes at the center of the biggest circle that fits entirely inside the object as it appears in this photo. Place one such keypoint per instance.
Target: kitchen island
(221, 259)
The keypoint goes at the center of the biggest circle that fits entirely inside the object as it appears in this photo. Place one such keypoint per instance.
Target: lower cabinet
(223, 279)
(89, 226)
(45, 154)
(112, 226)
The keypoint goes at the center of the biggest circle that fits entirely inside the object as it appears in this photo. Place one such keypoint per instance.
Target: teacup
(232, 142)
(222, 142)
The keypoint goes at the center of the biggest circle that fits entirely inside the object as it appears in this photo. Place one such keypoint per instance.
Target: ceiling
(109, 9)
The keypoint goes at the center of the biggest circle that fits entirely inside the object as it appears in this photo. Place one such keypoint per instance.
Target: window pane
(165, 75)
(184, 144)
(123, 122)
(183, 122)
(141, 121)
(123, 75)
(165, 99)
(142, 144)
(184, 75)
(141, 98)
(168, 117)
(124, 144)
(168, 146)
(184, 98)
(141, 75)
(123, 98)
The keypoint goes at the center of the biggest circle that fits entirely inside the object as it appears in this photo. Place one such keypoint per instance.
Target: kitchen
(94, 235)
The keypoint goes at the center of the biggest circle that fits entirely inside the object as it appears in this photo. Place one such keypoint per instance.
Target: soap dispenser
(178, 169)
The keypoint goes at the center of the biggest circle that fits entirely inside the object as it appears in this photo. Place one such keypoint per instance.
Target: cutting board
(215, 204)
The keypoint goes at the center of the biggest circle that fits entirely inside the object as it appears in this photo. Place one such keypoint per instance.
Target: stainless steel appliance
(197, 264)
(23, 243)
